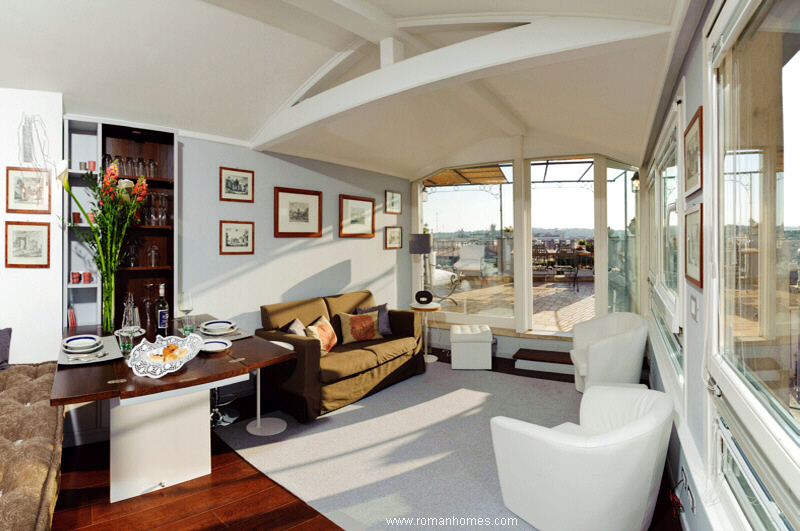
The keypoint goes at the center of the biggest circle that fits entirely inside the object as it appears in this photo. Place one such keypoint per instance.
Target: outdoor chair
(471, 260)
(541, 259)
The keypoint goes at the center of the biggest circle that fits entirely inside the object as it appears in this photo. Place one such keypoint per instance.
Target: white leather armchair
(609, 349)
(602, 474)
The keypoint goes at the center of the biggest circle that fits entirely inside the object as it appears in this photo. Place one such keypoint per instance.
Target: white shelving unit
(82, 143)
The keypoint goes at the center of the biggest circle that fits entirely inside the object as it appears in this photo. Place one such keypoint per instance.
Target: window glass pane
(471, 266)
(562, 224)
(622, 233)
(668, 170)
(652, 241)
(759, 130)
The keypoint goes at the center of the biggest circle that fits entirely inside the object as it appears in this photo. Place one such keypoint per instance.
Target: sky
(552, 207)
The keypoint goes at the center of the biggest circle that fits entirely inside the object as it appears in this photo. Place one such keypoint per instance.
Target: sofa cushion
(389, 349)
(363, 327)
(346, 303)
(31, 431)
(383, 317)
(321, 329)
(296, 327)
(342, 362)
(274, 316)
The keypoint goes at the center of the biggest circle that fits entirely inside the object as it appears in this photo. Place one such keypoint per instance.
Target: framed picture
(693, 153)
(236, 237)
(693, 226)
(27, 190)
(393, 238)
(27, 244)
(394, 202)
(236, 185)
(298, 213)
(356, 217)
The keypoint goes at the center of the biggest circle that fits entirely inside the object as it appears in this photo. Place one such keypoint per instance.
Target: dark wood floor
(234, 496)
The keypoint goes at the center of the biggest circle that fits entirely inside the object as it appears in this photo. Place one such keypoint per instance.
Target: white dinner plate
(218, 332)
(80, 343)
(84, 351)
(215, 345)
(218, 325)
(282, 344)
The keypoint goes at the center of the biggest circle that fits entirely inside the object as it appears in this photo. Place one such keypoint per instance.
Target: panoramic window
(562, 228)
(622, 237)
(758, 82)
(664, 208)
(470, 212)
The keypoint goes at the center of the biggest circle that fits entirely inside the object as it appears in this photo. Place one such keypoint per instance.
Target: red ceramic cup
(91, 216)
(76, 217)
(92, 165)
(76, 277)
(87, 277)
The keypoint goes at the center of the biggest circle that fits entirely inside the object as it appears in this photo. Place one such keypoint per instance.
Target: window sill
(507, 332)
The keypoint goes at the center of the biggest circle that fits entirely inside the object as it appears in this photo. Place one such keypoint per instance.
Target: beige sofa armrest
(405, 323)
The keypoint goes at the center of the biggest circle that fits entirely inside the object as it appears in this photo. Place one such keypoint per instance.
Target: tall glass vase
(108, 300)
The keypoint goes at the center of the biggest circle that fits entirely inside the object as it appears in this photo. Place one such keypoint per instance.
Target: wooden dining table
(160, 432)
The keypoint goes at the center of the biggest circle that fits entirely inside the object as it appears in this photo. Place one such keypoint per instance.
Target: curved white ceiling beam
(545, 41)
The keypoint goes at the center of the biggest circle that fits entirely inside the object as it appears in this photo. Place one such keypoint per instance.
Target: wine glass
(185, 302)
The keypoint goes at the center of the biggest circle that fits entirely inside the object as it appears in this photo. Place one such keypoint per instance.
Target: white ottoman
(471, 346)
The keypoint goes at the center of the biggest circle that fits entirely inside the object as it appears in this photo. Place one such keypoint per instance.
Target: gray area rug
(419, 449)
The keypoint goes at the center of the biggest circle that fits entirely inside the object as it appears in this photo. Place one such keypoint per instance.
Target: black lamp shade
(420, 243)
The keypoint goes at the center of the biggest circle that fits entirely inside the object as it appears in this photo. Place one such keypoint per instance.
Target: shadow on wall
(333, 279)
(359, 178)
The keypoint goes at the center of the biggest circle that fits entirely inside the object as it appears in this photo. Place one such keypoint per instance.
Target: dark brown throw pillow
(5, 346)
(383, 317)
(295, 327)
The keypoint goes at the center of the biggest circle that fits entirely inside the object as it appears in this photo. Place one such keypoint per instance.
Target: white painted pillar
(392, 51)
(600, 238)
(523, 267)
(416, 228)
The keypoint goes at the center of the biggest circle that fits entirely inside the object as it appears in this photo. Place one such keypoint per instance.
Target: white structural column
(600, 237)
(523, 288)
(392, 51)
(542, 42)
(416, 228)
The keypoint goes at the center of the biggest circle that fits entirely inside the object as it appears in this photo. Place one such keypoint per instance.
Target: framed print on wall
(356, 217)
(693, 226)
(298, 213)
(27, 244)
(27, 190)
(236, 185)
(236, 237)
(693, 153)
(394, 202)
(393, 238)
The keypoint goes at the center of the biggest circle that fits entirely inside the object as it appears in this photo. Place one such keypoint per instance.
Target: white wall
(30, 299)
(283, 269)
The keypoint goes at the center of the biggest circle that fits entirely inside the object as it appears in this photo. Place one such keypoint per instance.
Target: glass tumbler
(140, 167)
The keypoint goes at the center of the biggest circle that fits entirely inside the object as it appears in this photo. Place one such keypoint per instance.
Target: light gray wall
(282, 269)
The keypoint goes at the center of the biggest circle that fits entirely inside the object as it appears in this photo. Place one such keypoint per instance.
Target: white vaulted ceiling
(303, 77)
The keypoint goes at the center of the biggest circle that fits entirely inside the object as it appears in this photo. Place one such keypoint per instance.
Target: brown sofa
(31, 431)
(315, 384)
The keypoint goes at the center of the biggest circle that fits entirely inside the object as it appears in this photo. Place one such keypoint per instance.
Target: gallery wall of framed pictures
(27, 243)
(297, 213)
(693, 214)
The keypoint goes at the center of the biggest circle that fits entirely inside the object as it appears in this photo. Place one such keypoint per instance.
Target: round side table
(426, 309)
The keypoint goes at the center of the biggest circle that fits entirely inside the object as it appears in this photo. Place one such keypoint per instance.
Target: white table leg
(158, 443)
(429, 358)
(268, 425)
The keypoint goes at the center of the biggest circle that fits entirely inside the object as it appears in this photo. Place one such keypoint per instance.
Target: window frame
(764, 431)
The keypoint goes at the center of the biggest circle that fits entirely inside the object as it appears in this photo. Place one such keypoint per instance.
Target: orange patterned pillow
(363, 327)
(321, 329)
